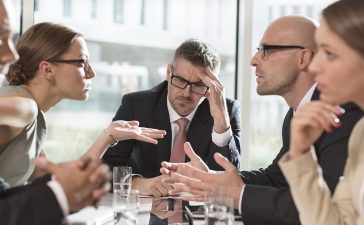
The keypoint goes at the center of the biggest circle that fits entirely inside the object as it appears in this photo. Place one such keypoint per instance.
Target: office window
(165, 15)
(118, 11)
(35, 5)
(130, 58)
(93, 9)
(142, 12)
(296, 9)
(66, 8)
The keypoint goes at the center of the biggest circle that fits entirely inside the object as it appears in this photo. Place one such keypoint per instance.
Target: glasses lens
(199, 89)
(179, 82)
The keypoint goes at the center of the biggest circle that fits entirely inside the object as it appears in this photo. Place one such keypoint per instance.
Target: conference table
(152, 211)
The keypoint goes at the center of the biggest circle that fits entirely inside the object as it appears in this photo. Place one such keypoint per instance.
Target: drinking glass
(122, 176)
(219, 210)
(126, 208)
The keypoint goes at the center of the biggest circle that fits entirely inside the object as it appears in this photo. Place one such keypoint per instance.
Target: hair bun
(15, 75)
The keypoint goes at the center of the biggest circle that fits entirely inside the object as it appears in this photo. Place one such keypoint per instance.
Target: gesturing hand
(196, 162)
(125, 130)
(199, 182)
(308, 124)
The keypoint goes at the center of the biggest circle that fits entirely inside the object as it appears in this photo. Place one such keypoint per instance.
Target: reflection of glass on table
(219, 210)
(167, 211)
(126, 209)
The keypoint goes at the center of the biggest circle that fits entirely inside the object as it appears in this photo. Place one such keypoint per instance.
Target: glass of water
(219, 210)
(122, 176)
(126, 208)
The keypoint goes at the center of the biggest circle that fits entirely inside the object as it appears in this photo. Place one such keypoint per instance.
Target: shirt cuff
(58, 191)
(241, 198)
(222, 139)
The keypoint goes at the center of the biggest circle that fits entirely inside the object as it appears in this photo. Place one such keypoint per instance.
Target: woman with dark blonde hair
(53, 65)
(339, 69)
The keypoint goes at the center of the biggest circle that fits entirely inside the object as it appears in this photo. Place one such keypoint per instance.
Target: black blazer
(33, 204)
(150, 109)
(267, 199)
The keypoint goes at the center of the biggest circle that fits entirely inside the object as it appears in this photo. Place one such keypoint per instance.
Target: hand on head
(196, 162)
(84, 181)
(309, 122)
(199, 182)
(125, 130)
(216, 98)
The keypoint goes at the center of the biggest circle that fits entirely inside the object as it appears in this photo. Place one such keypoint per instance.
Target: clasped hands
(84, 181)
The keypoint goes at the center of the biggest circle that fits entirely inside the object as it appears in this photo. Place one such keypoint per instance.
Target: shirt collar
(308, 96)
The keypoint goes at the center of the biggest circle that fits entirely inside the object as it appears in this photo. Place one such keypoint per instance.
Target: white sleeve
(58, 191)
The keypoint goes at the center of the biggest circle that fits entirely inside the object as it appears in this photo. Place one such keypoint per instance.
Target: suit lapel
(286, 129)
(200, 126)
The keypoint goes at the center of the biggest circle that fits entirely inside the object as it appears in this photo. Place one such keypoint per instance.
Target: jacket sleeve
(232, 150)
(267, 198)
(30, 204)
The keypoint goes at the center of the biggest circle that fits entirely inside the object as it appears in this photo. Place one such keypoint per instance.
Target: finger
(45, 165)
(146, 139)
(189, 152)
(224, 162)
(133, 123)
(98, 193)
(164, 171)
(152, 130)
(101, 174)
(83, 162)
(178, 188)
(152, 135)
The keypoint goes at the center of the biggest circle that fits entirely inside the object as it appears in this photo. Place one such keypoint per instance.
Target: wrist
(112, 140)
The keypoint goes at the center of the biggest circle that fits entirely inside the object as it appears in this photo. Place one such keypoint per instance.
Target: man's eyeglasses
(83, 62)
(264, 49)
(179, 82)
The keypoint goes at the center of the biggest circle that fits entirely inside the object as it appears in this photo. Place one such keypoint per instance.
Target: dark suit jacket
(150, 109)
(267, 199)
(33, 204)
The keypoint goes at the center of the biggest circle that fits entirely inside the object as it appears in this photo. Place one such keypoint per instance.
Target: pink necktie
(178, 154)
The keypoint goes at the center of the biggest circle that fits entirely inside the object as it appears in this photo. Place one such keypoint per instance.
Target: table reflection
(168, 211)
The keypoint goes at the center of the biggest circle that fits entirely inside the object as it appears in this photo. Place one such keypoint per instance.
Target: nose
(314, 66)
(90, 73)
(186, 91)
(254, 60)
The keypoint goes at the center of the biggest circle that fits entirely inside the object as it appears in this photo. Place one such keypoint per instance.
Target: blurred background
(132, 41)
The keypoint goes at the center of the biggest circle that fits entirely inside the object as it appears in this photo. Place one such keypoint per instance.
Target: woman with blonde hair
(339, 70)
(53, 65)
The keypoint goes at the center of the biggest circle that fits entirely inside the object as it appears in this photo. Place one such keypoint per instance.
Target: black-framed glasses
(179, 82)
(83, 62)
(264, 49)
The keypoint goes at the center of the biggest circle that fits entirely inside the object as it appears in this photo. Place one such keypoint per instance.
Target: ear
(305, 59)
(47, 70)
(168, 72)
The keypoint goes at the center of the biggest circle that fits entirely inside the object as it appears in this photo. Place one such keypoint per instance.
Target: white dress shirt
(58, 191)
(219, 139)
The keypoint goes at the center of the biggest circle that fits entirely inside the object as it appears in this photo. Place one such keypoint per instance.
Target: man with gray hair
(191, 106)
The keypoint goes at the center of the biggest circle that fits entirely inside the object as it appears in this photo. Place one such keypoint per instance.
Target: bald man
(263, 196)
